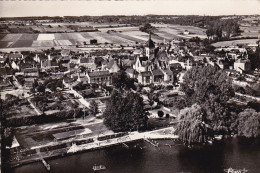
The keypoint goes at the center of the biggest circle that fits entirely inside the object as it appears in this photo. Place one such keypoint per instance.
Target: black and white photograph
(130, 86)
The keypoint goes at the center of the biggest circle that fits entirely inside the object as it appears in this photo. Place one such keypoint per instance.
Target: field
(116, 35)
(250, 31)
(234, 42)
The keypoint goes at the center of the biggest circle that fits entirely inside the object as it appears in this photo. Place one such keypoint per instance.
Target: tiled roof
(127, 62)
(157, 72)
(129, 70)
(14, 56)
(146, 73)
(65, 52)
(85, 60)
(168, 72)
(99, 73)
(54, 63)
(30, 70)
(114, 68)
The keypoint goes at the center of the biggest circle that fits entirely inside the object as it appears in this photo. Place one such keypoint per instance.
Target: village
(57, 96)
(66, 81)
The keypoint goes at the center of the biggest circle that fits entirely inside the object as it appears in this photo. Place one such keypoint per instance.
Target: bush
(58, 116)
(160, 113)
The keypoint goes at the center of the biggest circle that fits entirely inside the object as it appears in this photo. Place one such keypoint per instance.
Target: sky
(15, 8)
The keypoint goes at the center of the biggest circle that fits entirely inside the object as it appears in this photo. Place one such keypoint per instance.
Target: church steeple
(149, 46)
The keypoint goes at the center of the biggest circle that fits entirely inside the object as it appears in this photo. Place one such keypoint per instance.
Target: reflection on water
(170, 157)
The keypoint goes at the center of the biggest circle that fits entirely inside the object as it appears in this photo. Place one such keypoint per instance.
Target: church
(152, 66)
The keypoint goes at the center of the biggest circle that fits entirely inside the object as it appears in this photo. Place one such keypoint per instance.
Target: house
(2, 59)
(28, 82)
(93, 41)
(40, 57)
(223, 64)
(15, 56)
(158, 76)
(131, 72)
(64, 61)
(127, 63)
(88, 63)
(168, 75)
(141, 64)
(145, 77)
(242, 65)
(5, 72)
(31, 72)
(4, 84)
(114, 68)
(99, 77)
(15, 65)
(65, 52)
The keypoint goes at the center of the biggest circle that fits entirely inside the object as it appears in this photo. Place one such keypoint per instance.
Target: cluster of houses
(151, 63)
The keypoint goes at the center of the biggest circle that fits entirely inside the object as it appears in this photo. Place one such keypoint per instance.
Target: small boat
(231, 170)
(218, 137)
(99, 167)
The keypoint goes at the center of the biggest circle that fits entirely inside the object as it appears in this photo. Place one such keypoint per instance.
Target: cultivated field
(234, 42)
(250, 31)
(116, 35)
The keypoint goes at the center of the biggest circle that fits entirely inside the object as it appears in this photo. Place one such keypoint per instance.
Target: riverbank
(94, 143)
(170, 156)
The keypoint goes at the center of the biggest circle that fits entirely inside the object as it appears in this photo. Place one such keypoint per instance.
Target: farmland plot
(23, 43)
(62, 43)
(234, 42)
(12, 37)
(98, 37)
(86, 35)
(130, 28)
(114, 38)
(75, 42)
(29, 37)
(43, 43)
(250, 31)
(5, 44)
(128, 38)
(166, 35)
(137, 34)
(154, 38)
(74, 36)
(2, 36)
(45, 37)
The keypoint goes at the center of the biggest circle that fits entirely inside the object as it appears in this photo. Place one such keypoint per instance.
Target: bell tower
(149, 47)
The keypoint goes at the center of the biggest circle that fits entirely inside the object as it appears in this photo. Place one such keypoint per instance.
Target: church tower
(149, 47)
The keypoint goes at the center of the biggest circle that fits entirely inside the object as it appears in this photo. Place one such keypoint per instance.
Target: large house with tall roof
(152, 66)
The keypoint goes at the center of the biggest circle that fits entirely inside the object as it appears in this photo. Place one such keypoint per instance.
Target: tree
(160, 113)
(249, 123)
(146, 28)
(125, 112)
(93, 108)
(191, 127)
(211, 88)
(121, 81)
(41, 88)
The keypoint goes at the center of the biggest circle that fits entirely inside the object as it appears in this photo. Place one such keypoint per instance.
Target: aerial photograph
(130, 86)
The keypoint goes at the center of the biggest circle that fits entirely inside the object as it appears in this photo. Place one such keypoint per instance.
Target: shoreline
(96, 145)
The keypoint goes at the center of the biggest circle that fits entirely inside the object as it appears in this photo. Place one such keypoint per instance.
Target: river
(170, 157)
